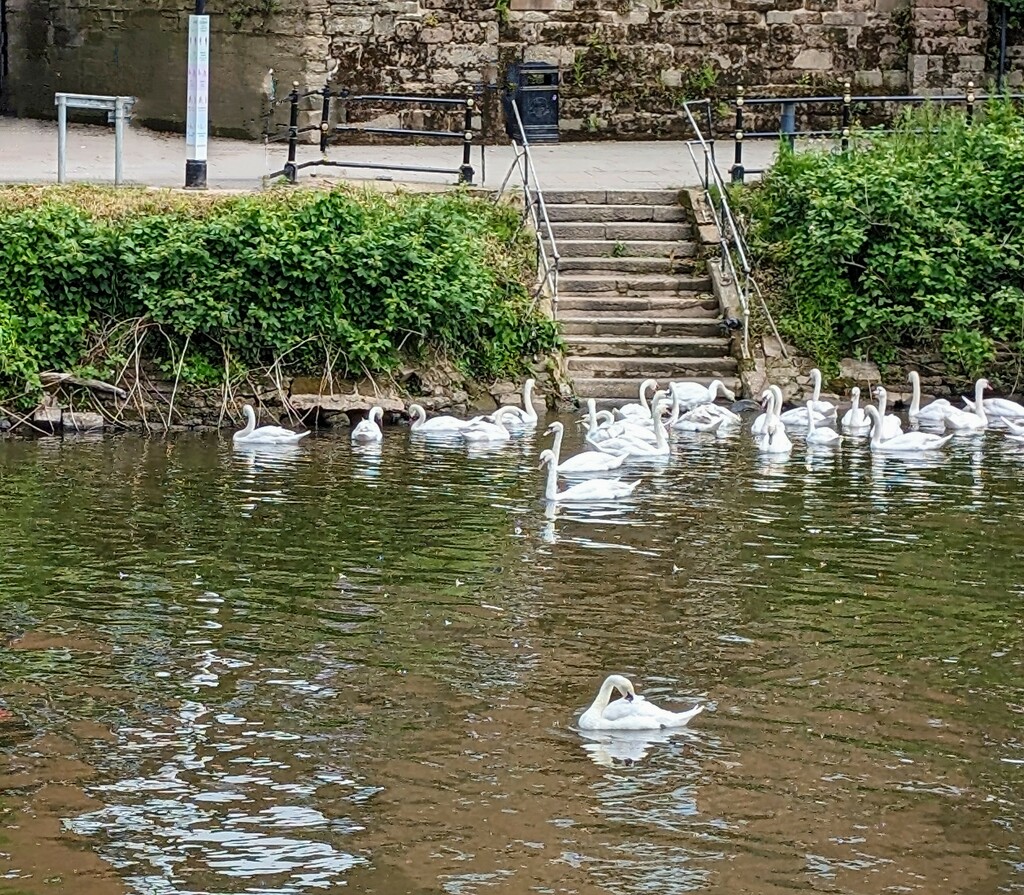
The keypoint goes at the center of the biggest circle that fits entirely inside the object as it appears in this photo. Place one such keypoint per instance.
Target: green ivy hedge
(298, 279)
(911, 241)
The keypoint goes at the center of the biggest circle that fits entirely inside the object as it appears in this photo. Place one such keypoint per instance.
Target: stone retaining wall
(625, 64)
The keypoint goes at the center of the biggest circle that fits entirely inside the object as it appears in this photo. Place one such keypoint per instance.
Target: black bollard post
(847, 104)
(466, 169)
(325, 115)
(737, 167)
(290, 171)
(970, 102)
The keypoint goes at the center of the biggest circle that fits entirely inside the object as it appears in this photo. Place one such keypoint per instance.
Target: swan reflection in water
(260, 463)
(366, 460)
(625, 748)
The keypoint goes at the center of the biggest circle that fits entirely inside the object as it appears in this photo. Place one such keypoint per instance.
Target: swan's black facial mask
(629, 697)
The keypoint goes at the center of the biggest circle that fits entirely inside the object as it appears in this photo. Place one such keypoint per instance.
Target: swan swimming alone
(368, 431)
(595, 489)
(588, 461)
(264, 434)
(632, 712)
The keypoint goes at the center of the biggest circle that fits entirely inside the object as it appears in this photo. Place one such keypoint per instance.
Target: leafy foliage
(282, 277)
(911, 240)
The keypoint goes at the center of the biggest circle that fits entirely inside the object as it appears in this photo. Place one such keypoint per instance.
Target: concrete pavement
(28, 154)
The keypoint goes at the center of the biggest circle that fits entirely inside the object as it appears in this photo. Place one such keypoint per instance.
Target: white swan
(524, 417)
(699, 420)
(588, 461)
(855, 419)
(632, 447)
(933, 413)
(797, 417)
(820, 436)
(905, 442)
(368, 431)
(632, 712)
(595, 489)
(999, 407)
(761, 420)
(437, 425)
(488, 430)
(825, 408)
(643, 409)
(971, 421)
(774, 440)
(264, 434)
(891, 425)
(693, 393)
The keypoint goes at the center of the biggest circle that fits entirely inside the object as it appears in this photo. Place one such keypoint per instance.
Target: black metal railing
(535, 210)
(736, 267)
(339, 101)
(844, 110)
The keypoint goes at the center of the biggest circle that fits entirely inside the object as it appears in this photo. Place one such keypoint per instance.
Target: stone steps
(651, 367)
(628, 308)
(684, 304)
(654, 214)
(625, 231)
(614, 248)
(644, 327)
(631, 284)
(701, 344)
(613, 392)
(623, 265)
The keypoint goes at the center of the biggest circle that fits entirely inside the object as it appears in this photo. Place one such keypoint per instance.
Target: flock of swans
(638, 432)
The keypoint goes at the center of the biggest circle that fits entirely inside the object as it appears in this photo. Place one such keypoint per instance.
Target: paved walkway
(28, 153)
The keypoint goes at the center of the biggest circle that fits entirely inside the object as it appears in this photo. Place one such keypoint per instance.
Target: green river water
(225, 671)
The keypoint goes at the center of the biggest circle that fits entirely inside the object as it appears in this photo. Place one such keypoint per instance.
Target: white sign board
(197, 107)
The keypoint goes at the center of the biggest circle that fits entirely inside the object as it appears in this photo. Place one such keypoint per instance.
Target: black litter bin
(533, 87)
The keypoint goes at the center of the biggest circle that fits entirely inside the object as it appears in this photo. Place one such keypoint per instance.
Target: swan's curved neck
(646, 384)
(816, 379)
(810, 418)
(419, 417)
(674, 415)
(979, 400)
(915, 396)
(557, 444)
(713, 390)
(775, 404)
(855, 403)
(551, 488)
(528, 407)
(592, 413)
(876, 429)
(250, 421)
(882, 401)
(659, 427)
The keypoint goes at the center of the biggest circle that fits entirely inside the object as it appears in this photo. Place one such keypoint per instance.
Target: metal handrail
(536, 209)
(732, 244)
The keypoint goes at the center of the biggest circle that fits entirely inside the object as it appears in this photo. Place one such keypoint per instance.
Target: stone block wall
(625, 64)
